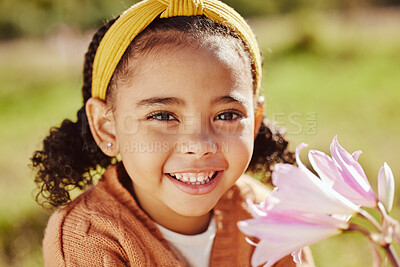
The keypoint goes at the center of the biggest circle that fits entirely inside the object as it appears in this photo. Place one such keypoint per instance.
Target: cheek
(144, 152)
(144, 163)
(238, 144)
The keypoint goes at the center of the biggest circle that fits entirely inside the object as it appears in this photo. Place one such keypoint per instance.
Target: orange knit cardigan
(104, 226)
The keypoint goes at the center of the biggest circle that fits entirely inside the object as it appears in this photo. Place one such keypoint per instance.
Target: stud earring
(109, 144)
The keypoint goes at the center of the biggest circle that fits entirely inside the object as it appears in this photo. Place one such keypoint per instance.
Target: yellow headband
(139, 16)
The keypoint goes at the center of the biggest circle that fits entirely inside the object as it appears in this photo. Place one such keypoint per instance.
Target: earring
(109, 144)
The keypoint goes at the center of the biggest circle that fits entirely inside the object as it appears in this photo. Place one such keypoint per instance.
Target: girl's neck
(183, 224)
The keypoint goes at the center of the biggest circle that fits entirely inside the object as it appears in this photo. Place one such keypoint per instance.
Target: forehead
(200, 71)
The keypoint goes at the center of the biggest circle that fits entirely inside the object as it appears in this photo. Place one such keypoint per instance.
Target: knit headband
(140, 15)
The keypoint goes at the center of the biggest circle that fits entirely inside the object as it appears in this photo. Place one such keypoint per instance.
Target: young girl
(172, 110)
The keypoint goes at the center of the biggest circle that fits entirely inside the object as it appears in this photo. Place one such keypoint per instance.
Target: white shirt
(194, 250)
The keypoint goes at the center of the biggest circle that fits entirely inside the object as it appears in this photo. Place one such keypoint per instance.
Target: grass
(324, 75)
(36, 83)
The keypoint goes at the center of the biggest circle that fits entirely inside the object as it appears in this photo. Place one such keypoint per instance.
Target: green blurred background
(331, 67)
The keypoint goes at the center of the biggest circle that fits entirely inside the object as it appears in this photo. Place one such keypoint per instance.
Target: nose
(197, 140)
(199, 148)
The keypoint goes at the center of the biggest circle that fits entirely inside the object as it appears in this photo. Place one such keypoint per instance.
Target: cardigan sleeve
(72, 240)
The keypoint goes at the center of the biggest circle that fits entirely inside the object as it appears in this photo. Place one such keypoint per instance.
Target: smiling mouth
(194, 178)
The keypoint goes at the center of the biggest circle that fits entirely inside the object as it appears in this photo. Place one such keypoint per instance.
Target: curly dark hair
(70, 157)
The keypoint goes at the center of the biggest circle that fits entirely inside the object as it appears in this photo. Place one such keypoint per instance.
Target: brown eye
(161, 116)
(228, 116)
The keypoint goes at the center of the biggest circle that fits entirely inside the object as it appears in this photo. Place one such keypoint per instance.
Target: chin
(194, 210)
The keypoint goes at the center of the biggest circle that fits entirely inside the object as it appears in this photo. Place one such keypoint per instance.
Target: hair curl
(69, 152)
(70, 157)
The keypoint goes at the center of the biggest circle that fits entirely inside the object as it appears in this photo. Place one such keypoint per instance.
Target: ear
(258, 115)
(102, 125)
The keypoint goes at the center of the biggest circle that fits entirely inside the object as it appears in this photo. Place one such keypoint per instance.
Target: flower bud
(386, 186)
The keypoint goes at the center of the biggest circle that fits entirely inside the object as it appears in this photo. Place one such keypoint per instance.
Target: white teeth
(194, 178)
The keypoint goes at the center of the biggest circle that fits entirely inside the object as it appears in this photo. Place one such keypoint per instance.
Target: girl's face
(185, 129)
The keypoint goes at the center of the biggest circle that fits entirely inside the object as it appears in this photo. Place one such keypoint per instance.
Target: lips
(190, 178)
(211, 181)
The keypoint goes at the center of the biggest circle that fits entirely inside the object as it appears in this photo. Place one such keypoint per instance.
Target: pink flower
(296, 214)
(286, 232)
(304, 208)
(344, 174)
(297, 188)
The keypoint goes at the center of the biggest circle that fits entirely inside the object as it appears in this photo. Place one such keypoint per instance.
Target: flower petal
(329, 173)
(284, 232)
(259, 257)
(342, 217)
(324, 166)
(352, 173)
(299, 189)
(356, 154)
(297, 256)
(386, 186)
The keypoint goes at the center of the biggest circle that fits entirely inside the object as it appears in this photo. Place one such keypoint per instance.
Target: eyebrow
(227, 99)
(160, 101)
